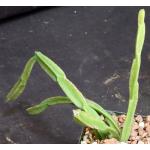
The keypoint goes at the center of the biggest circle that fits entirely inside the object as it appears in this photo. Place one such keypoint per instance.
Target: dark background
(93, 45)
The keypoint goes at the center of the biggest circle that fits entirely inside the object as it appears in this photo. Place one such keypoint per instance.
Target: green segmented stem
(57, 74)
(89, 111)
(20, 85)
(54, 71)
(34, 110)
(39, 108)
(133, 81)
(89, 120)
(108, 118)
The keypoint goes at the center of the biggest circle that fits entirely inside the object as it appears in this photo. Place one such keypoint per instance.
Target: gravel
(140, 133)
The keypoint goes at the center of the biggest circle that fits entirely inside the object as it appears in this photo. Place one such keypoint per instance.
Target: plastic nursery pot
(140, 136)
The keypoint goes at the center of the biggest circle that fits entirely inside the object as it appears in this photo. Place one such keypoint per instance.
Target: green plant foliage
(89, 120)
(64, 100)
(66, 85)
(36, 109)
(71, 91)
(134, 74)
(88, 112)
(39, 108)
(19, 87)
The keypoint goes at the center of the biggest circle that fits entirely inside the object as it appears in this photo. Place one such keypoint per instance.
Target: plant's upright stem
(133, 82)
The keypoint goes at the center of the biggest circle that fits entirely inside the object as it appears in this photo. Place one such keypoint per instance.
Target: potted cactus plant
(100, 126)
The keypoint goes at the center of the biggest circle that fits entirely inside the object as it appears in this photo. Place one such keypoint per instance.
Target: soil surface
(140, 133)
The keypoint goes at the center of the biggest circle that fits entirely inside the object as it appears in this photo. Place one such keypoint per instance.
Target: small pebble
(121, 118)
(144, 135)
(134, 142)
(148, 140)
(140, 142)
(141, 131)
(90, 136)
(87, 132)
(94, 143)
(148, 130)
(85, 137)
(88, 141)
(83, 142)
(145, 141)
(148, 118)
(139, 118)
(141, 124)
(132, 138)
(146, 125)
(137, 138)
(135, 126)
(134, 133)
(110, 141)
(87, 129)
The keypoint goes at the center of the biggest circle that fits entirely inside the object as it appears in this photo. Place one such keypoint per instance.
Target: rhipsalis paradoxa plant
(134, 74)
(86, 112)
